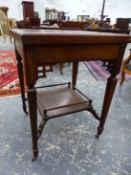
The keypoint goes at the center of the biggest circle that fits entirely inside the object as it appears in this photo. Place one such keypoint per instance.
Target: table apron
(55, 54)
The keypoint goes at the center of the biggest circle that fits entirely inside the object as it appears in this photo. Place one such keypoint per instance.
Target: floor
(68, 145)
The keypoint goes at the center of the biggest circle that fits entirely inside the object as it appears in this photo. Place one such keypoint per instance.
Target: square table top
(40, 36)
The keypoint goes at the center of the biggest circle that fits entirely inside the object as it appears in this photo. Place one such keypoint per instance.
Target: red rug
(9, 83)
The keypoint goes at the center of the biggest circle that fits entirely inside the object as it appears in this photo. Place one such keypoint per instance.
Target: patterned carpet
(99, 72)
(9, 84)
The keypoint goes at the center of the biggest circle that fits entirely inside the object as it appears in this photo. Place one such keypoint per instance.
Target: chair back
(4, 25)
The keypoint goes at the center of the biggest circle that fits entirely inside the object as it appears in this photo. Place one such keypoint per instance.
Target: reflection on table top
(68, 36)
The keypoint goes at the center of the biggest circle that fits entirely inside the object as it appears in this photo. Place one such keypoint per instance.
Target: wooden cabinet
(28, 9)
(29, 18)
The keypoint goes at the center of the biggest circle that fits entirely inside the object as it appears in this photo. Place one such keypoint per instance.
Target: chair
(41, 70)
(4, 26)
(126, 68)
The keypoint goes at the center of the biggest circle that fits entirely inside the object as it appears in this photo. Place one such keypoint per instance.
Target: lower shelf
(61, 101)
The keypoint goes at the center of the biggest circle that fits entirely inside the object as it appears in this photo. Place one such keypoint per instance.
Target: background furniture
(29, 16)
(123, 25)
(126, 68)
(47, 47)
(28, 9)
(54, 14)
(5, 10)
(6, 23)
(4, 26)
(83, 17)
(71, 25)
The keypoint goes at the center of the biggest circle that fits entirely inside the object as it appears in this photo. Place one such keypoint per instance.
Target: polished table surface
(35, 47)
(106, 29)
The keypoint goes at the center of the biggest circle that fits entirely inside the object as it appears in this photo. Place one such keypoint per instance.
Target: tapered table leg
(33, 120)
(110, 88)
(74, 73)
(21, 80)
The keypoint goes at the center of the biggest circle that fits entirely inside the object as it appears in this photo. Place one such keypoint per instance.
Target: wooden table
(105, 29)
(34, 47)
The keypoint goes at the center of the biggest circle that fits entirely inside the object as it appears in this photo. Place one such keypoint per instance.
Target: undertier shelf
(59, 101)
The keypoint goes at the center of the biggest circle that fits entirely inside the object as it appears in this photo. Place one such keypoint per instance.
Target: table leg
(33, 120)
(61, 66)
(110, 88)
(21, 80)
(74, 73)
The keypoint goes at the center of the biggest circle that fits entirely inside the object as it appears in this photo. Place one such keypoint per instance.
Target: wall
(13, 7)
(113, 8)
(118, 8)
